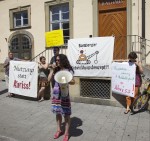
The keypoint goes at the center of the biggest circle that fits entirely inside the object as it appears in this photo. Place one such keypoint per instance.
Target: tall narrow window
(59, 19)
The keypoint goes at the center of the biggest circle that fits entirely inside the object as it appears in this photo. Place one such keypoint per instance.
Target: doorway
(113, 22)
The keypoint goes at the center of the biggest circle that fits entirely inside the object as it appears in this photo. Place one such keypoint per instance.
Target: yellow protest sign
(54, 38)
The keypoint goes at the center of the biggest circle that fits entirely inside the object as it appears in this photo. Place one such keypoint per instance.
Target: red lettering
(21, 85)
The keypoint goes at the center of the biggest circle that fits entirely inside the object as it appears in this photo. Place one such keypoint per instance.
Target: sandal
(11, 95)
(42, 99)
(57, 134)
(127, 111)
(66, 137)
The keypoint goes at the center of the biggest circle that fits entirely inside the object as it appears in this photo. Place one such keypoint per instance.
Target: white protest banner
(123, 78)
(23, 78)
(91, 57)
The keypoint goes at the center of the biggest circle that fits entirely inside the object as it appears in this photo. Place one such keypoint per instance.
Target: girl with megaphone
(61, 104)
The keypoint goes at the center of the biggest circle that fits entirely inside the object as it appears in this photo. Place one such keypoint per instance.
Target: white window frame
(22, 18)
(48, 5)
(19, 10)
(60, 21)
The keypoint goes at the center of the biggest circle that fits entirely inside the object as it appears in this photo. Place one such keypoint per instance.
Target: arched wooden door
(113, 21)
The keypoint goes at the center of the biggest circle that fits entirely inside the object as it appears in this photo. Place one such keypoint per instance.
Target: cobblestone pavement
(25, 119)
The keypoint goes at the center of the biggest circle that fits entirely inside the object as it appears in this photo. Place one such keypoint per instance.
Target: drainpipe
(143, 18)
(143, 44)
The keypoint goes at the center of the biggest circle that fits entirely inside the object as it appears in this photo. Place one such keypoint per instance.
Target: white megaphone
(63, 78)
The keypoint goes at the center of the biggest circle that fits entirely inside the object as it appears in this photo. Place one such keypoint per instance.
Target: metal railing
(142, 47)
(48, 53)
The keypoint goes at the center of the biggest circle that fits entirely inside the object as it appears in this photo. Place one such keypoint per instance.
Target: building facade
(23, 25)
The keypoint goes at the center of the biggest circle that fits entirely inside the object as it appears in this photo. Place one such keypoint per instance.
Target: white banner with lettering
(123, 78)
(23, 78)
(91, 57)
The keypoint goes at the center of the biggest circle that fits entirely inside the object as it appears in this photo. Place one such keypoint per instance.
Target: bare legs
(129, 99)
(67, 125)
(41, 94)
(59, 121)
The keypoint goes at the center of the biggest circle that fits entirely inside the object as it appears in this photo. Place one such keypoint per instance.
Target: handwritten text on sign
(23, 78)
(54, 38)
(123, 78)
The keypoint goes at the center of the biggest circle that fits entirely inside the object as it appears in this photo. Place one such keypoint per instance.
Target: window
(21, 46)
(59, 16)
(20, 18)
(59, 19)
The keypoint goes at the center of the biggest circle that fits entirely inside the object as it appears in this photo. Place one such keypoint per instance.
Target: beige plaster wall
(137, 23)
(82, 22)
(147, 22)
(82, 18)
(136, 17)
(75, 89)
(37, 24)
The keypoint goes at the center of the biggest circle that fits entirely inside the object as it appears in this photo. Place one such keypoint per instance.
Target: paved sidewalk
(24, 119)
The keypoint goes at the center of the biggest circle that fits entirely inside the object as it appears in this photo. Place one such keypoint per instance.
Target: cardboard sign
(123, 78)
(54, 38)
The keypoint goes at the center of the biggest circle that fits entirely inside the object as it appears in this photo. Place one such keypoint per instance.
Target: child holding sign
(132, 58)
(138, 81)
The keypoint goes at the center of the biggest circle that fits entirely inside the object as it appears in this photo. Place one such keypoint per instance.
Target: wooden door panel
(113, 22)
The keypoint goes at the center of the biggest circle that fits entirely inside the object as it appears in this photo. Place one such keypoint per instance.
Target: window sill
(18, 28)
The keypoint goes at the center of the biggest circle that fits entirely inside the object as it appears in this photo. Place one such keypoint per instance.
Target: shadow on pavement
(75, 124)
(120, 98)
(3, 91)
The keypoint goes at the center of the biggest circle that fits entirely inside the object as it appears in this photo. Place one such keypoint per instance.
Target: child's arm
(139, 64)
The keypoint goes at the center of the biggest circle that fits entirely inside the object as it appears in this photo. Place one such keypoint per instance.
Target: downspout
(143, 44)
(143, 18)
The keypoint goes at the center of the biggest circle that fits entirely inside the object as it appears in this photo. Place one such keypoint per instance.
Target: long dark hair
(64, 63)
